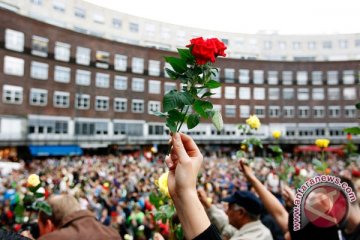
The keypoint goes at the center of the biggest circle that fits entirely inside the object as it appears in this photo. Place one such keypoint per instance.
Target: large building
(62, 87)
(81, 16)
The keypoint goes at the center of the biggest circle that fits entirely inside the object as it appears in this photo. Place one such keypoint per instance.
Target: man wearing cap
(242, 220)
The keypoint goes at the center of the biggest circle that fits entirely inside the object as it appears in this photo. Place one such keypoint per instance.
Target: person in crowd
(242, 220)
(68, 221)
(184, 163)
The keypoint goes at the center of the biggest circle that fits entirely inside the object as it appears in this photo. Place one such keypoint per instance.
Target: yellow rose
(322, 142)
(253, 122)
(243, 147)
(163, 184)
(33, 180)
(276, 134)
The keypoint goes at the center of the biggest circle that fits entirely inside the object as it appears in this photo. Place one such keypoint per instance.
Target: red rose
(205, 51)
(297, 171)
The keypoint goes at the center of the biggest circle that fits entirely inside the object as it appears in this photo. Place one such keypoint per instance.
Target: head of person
(61, 206)
(244, 207)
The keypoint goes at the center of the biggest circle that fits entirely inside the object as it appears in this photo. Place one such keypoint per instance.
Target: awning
(58, 150)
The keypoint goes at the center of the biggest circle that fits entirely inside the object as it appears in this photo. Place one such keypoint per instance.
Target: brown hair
(61, 206)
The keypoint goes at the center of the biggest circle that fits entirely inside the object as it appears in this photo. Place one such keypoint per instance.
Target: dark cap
(247, 200)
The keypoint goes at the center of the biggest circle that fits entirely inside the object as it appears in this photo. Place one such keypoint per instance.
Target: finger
(169, 163)
(241, 162)
(190, 145)
(178, 150)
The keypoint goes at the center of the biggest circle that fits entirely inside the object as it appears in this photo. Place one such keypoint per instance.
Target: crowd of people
(116, 190)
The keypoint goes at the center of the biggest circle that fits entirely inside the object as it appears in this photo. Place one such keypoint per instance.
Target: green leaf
(353, 130)
(186, 55)
(185, 98)
(207, 94)
(175, 115)
(19, 210)
(193, 120)
(212, 84)
(357, 105)
(178, 64)
(171, 125)
(172, 74)
(276, 149)
(160, 114)
(201, 106)
(217, 120)
(43, 206)
(240, 154)
(170, 101)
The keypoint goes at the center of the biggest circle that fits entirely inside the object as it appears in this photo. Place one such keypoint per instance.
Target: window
(83, 56)
(168, 87)
(260, 111)
(327, 44)
(91, 128)
(61, 99)
(217, 74)
(334, 111)
(274, 93)
(316, 77)
(102, 80)
(301, 77)
(304, 111)
(102, 59)
(333, 93)
(230, 111)
(343, 43)
(137, 65)
(12, 94)
(348, 77)
(156, 129)
(244, 111)
(287, 78)
(134, 27)
(101, 103)
(13, 66)
(229, 75)
(332, 78)
(288, 111)
(137, 106)
(59, 6)
(154, 68)
(137, 84)
(154, 87)
(45, 126)
(62, 74)
(349, 93)
(120, 104)
(98, 18)
(282, 45)
(116, 23)
(244, 76)
(82, 101)
(273, 78)
(244, 93)
(83, 77)
(258, 77)
(153, 106)
(274, 111)
(216, 92)
(14, 40)
(303, 94)
(79, 12)
(39, 46)
(130, 129)
(318, 94)
(120, 62)
(288, 93)
(39, 70)
(37, 2)
(62, 51)
(259, 93)
(296, 45)
(230, 92)
(311, 45)
(350, 111)
(120, 82)
(267, 45)
(319, 111)
(38, 97)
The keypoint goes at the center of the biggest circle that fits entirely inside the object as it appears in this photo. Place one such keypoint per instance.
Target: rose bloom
(253, 122)
(33, 180)
(206, 50)
(163, 184)
(276, 134)
(322, 142)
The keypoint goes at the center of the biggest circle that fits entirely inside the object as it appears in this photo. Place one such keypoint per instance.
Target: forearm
(271, 203)
(192, 214)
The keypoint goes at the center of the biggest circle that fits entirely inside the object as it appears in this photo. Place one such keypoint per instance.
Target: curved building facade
(60, 87)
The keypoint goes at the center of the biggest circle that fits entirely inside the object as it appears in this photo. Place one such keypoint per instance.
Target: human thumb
(178, 146)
